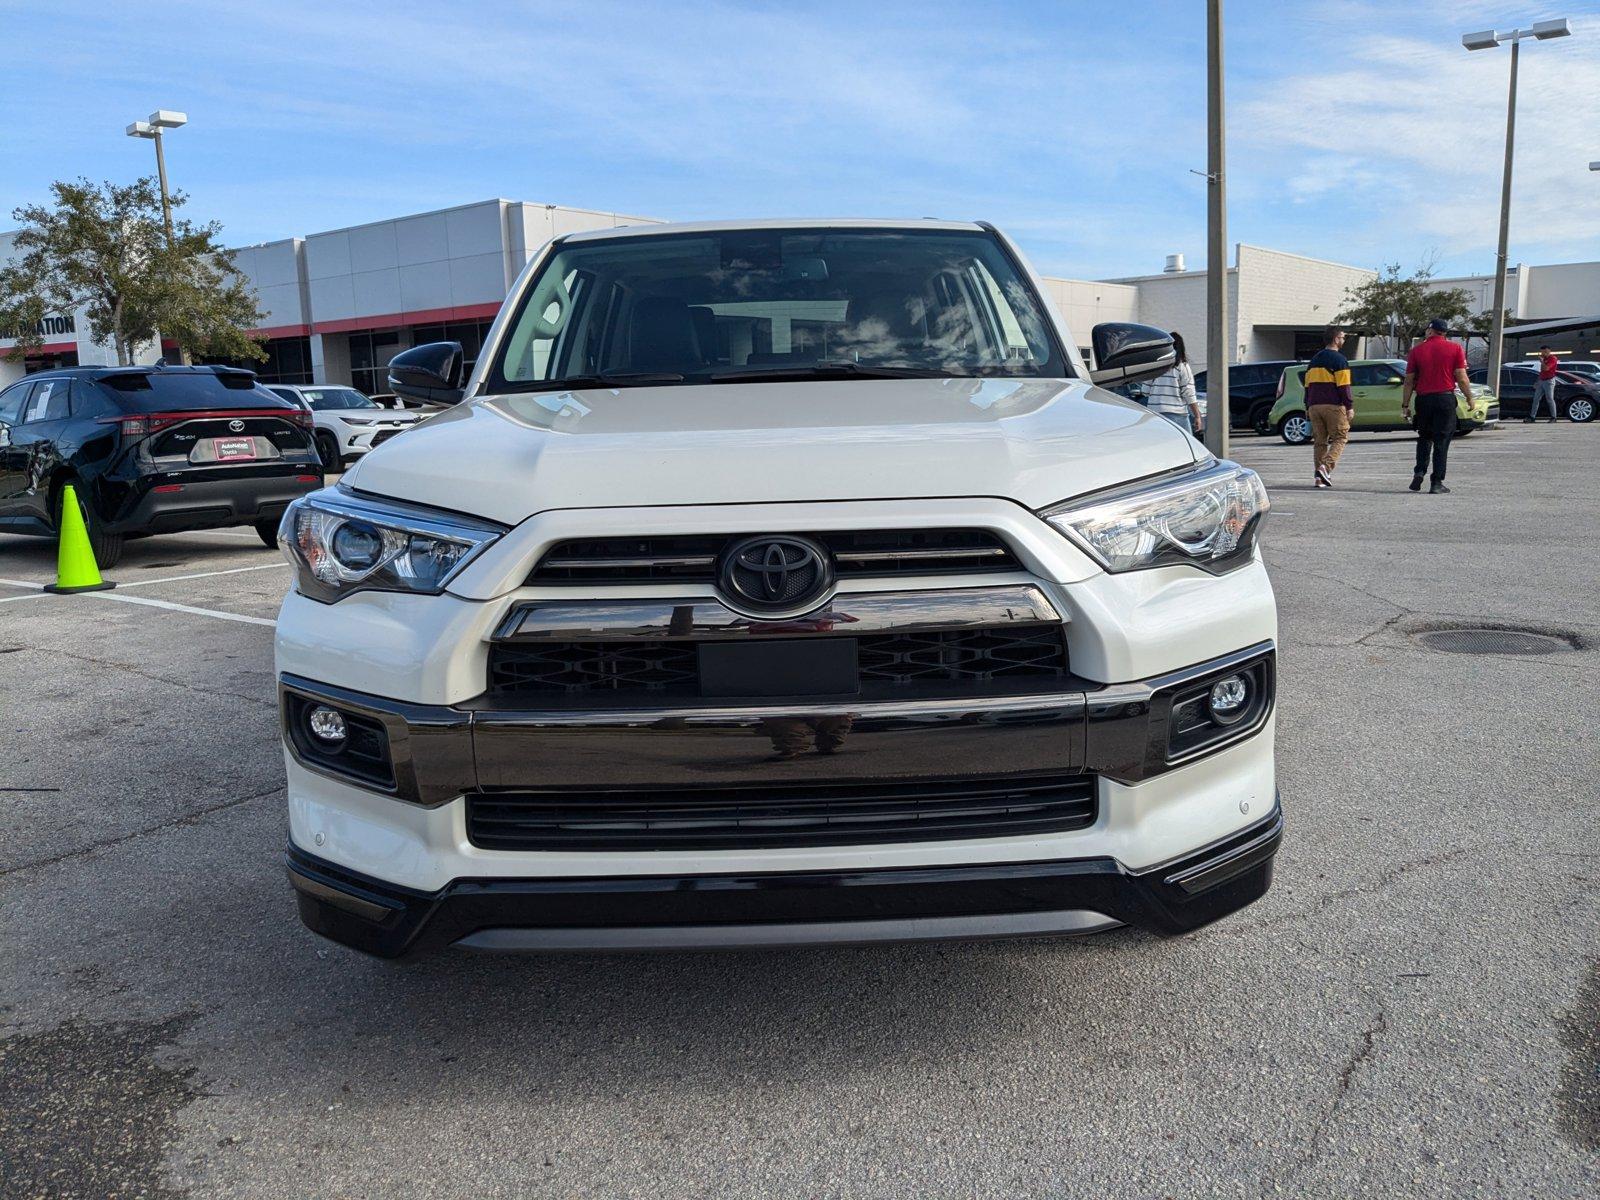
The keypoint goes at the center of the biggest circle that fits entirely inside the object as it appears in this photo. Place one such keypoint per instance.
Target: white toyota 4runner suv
(772, 583)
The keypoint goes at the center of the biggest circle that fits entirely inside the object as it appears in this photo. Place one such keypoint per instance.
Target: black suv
(1576, 397)
(151, 450)
(1252, 391)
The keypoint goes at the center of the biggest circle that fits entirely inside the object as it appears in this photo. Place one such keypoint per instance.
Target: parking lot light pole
(1488, 39)
(161, 119)
(1217, 335)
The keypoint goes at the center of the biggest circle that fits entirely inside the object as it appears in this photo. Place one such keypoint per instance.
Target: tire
(267, 531)
(328, 451)
(1463, 430)
(1261, 419)
(1295, 429)
(107, 547)
(1580, 410)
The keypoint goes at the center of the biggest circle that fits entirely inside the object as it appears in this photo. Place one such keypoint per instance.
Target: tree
(1406, 300)
(105, 250)
(1482, 325)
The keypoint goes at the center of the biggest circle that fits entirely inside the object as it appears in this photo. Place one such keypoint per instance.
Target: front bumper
(639, 912)
(398, 869)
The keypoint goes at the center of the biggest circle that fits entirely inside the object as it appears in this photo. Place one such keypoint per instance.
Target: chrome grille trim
(846, 615)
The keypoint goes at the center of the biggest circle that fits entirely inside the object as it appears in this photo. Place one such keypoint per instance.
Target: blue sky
(1358, 131)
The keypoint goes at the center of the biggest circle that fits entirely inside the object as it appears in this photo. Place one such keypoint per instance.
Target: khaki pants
(1330, 430)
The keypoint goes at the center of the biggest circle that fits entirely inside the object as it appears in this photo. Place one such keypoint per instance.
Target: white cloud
(1406, 136)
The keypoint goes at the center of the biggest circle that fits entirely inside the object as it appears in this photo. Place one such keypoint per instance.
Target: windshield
(323, 399)
(748, 305)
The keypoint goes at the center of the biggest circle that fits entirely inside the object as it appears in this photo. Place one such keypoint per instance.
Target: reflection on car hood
(1035, 441)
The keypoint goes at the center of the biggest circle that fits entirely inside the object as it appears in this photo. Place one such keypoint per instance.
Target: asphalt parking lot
(1412, 1010)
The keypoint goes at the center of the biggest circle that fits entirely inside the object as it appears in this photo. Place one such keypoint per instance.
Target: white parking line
(206, 574)
(183, 608)
(37, 593)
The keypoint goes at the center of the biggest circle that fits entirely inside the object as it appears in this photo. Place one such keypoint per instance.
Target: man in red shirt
(1434, 369)
(1548, 365)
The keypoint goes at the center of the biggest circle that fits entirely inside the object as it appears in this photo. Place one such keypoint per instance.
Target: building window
(288, 361)
(369, 360)
(470, 334)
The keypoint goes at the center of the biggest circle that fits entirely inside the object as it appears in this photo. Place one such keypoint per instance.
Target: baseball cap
(1440, 324)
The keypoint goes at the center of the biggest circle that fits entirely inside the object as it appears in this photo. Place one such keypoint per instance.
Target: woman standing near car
(1172, 394)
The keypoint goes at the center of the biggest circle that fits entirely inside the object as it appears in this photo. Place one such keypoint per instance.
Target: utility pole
(1218, 338)
(160, 119)
(1488, 39)
(1497, 329)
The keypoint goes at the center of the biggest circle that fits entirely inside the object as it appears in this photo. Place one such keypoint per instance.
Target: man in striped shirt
(1329, 405)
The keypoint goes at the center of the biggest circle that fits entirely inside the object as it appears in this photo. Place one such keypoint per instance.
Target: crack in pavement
(1385, 880)
(1343, 583)
(189, 818)
(178, 683)
(1346, 1080)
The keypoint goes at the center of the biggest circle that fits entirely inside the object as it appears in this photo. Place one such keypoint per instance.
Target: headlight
(1208, 516)
(340, 543)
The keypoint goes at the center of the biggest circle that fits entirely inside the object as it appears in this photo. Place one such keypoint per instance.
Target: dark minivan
(151, 450)
(1252, 391)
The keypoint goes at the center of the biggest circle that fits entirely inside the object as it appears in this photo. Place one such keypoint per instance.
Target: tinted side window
(12, 401)
(89, 401)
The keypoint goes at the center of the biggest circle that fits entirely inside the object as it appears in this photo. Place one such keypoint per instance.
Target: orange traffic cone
(76, 570)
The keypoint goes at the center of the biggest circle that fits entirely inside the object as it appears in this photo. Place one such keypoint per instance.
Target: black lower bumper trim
(1173, 898)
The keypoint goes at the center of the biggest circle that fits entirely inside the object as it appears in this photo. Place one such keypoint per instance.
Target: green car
(1375, 384)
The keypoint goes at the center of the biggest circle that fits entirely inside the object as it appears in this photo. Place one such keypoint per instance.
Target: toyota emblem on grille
(775, 574)
(236, 425)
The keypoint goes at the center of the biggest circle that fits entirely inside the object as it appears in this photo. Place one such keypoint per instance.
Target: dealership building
(340, 304)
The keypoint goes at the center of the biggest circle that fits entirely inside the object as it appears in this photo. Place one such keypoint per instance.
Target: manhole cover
(1491, 641)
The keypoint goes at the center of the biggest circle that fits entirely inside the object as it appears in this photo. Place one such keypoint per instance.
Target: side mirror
(431, 373)
(1126, 353)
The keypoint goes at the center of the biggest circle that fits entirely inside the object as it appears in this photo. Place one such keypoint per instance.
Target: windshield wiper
(823, 370)
(599, 379)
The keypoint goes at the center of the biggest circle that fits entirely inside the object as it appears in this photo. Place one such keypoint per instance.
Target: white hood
(1034, 441)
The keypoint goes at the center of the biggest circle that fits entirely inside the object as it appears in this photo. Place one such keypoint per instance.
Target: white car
(348, 424)
(778, 583)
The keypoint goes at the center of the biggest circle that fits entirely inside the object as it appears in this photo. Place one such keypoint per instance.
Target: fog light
(1229, 699)
(327, 726)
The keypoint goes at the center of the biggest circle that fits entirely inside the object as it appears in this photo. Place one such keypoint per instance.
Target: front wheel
(1580, 410)
(1463, 429)
(1295, 429)
(328, 451)
(267, 531)
(1261, 419)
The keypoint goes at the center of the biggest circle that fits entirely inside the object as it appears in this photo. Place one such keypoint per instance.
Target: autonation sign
(45, 327)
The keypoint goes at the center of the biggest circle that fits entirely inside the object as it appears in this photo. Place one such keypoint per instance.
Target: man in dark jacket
(1329, 405)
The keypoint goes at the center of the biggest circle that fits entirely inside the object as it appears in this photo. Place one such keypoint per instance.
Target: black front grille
(778, 814)
(543, 668)
(960, 655)
(693, 557)
(892, 661)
